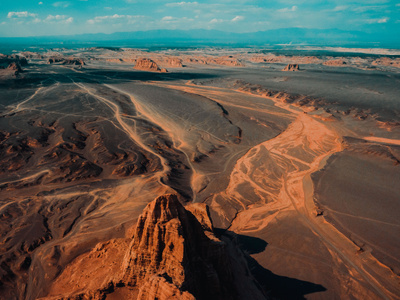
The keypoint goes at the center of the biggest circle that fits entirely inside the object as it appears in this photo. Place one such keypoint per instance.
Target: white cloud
(114, 17)
(214, 21)
(63, 4)
(379, 21)
(20, 14)
(340, 8)
(383, 20)
(175, 21)
(376, 8)
(288, 9)
(40, 3)
(167, 18)
(237, 19)
(182, 4)
(58, 19)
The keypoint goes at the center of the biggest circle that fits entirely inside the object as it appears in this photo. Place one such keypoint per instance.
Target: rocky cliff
(173, 254)
(171, 251)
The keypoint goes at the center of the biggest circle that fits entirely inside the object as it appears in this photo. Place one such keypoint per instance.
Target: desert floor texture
(302, 167)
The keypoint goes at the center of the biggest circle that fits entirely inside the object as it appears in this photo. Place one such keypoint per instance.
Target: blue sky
(45, 17)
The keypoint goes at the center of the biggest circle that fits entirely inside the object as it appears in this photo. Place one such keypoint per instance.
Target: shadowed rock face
(291, 67)
(12, 63)
(66, 61)
(74, 61)
(15, 66)
(171, 257)
(53, 60)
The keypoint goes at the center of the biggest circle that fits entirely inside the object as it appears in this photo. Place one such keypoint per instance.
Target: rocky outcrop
(66, 61)
(215, 60)
(53, 60)
(387, 61)
(171, 252)
(74, 61)
(16, 67)
(158, 287)
(115, 60)
(335, 62)
(173, 255)
(174, 62)
(31, 55)
(147, 64)
(291, 67)
(12, 63)
(294, 99)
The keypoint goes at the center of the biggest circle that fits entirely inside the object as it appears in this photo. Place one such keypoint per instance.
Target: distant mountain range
(294, 36)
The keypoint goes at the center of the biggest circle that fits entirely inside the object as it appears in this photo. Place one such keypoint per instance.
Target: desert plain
(290, 161)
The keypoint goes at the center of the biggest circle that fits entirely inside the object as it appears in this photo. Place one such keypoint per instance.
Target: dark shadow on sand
(274, 286)
(30, 79)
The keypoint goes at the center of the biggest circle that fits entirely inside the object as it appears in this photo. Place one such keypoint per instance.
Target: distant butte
(291, 67)
(147, 64)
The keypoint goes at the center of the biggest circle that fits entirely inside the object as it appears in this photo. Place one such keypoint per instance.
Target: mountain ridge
(295, 35)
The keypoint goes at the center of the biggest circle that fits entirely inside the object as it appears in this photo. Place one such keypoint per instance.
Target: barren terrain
(299, 170)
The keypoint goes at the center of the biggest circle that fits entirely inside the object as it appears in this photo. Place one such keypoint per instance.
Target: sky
(45, 17)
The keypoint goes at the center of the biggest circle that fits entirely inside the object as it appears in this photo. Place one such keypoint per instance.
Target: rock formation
(31, 55)
(74, 61)
(291, 67)
(15, 66)
(66, 61)
(387, 61)
(146, 64)
(12, 63)
(171, 252)
(173, 255)
(53, 60)
(335, 62)
(20, 59)
(174, 62)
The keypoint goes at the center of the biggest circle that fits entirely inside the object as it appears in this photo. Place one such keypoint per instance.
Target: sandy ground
(84, 150)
